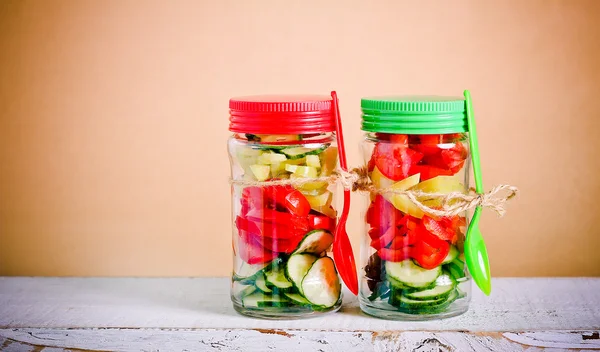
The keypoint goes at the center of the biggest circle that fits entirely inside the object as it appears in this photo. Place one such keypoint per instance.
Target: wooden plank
(288, 340)
(521, 304)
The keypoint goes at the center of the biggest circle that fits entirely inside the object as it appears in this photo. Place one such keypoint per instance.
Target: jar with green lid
(413, 265)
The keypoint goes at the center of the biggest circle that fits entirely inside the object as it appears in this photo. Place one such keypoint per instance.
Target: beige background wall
(113, 119)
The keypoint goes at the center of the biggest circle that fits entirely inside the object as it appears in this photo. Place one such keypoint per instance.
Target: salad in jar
(283, 231)
(415, 262)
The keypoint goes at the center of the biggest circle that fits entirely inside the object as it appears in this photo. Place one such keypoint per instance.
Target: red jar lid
(281, 114)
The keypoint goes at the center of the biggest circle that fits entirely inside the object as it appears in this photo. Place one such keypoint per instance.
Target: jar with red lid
(413, 264)
(282, 150)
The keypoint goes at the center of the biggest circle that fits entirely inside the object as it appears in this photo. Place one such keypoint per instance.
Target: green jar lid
(414, 114)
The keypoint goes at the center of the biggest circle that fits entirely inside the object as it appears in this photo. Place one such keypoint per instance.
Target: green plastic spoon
(475, 250)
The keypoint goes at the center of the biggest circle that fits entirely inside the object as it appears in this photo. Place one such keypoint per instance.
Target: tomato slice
(442, 229)
(395, 160)
(454, 158)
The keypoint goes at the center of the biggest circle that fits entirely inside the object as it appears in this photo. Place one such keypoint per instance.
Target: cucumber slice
(321, 285)
(247, 291)
(261, 283)
(456, 268)
(382, 291)
(410, 303)
(300, 152)
(410, 274)
(445, 284)
(315, 242)
(247, 273)
(259, 299)
(297, 267)
(277, 279)
(452, 254)
(297, 299)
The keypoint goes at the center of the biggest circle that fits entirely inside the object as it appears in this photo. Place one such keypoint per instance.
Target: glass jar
(413, 265)
(283, 222)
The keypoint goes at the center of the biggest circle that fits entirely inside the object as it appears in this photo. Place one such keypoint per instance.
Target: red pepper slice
(429, 250)
(382, 214)
(277, 245)
(428, 256)
(385, 239)
(395, 255)
(252, 252)
(409, 238)
(280, 218)
(276, 197)
(321, 222)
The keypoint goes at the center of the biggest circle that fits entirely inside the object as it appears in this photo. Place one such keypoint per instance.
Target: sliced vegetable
(452, 254)
(401, 201)
(313, 161)
(297, 299)
(259, 300)
(300, 152)
(297, 267)
(248, 272)
(269, 158)
(277, 279)
(261, 172)
(410, 274)
(328, 159)
(315, 242)
(321, 285)
(262, 284)
(444, 285)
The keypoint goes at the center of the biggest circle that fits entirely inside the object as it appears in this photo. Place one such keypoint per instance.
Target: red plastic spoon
(342, 249)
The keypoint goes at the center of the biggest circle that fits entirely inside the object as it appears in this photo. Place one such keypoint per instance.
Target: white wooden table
(111, 314)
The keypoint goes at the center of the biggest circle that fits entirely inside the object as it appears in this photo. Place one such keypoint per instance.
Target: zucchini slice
(321, 285)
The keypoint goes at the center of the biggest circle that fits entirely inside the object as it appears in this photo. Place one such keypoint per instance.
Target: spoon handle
(474, 143)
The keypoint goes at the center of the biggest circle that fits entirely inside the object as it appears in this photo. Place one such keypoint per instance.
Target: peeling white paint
(58, 314)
